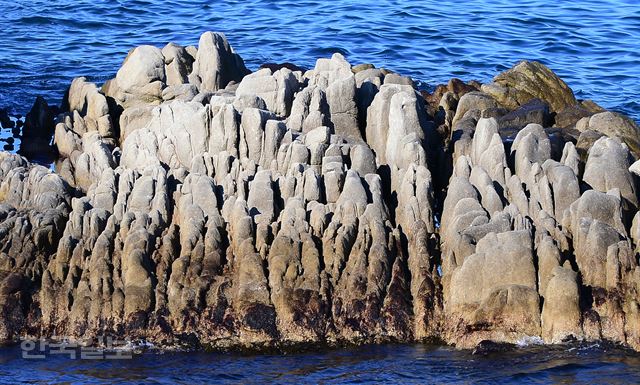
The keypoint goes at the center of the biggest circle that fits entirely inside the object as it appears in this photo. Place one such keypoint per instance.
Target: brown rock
(528, 80)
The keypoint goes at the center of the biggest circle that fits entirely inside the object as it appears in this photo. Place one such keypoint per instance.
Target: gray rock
(252, 131)
(362, 160)
(309, 110)
(141, 77)
(341, 97)
(334, 76)
(320, 135)
(87, 101)
(275, 89)
(176, 133)
(216, 64)
(396, 125)
(261, 198)
(471, 101)
(372, 75)
(607, 168)
(218, 219)
(570, 157)
(184, 92)
(487, 150)
(618, 126)
(273, 135)
(248, 101)
(530, 146)
(178, 64)
(561, 312)
(565, 185)
(393, 78)
(66, 140)
(533, 111)
(377, 128)
(585, 141)
(133, 119)
(548, 260)
(497, 282)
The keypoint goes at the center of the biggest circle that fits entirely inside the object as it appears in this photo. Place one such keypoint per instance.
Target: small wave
(529, 341)
(137, 346)
(35, 20)
(328, 51)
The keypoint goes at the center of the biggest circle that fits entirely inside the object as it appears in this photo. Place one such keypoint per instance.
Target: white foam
(528, 341)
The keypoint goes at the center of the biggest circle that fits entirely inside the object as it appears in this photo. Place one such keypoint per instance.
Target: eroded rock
(197, 203)
(528, 80)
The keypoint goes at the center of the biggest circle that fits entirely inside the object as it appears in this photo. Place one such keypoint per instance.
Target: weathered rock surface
(528, 80)
(34, 207)
(195, 203)
(276, 89)
(335, 78)
(615, 125)
(216, 64)
(141, 78)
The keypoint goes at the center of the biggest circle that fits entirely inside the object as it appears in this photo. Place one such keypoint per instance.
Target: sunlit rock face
(196, 203)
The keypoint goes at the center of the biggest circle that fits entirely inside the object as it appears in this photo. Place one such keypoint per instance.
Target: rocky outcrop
(216, 64)
(338, 83)
(276, 89)
(527, 241)
(614, 125)
(34, 208)
(38, 130)
(195, 203)
(528, 80)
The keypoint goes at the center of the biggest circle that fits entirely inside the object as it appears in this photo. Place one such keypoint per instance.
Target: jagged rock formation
(35, 204)
(194, 202)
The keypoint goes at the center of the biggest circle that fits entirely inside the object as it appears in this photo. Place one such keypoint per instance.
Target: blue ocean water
(593, 45)
(392, 364)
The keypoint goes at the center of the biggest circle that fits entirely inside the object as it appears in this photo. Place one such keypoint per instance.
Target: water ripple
(410, 364)
(594, 45)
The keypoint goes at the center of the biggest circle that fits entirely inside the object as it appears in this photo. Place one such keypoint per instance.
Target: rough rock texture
(141, 78)
(491, 292)
(276, 89)
(196, 204)
(615, 125)
(34, 208)
(216, 64)
(336, 80)
(528, 80)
